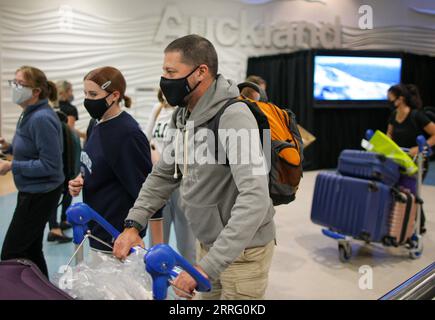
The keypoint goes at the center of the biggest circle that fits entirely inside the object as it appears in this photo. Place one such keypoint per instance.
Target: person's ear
(36, 92)
(203, 71)
(116, 96)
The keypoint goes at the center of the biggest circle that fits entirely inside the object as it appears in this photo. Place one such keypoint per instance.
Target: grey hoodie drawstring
(176, 154)
(186, 142)
(185, 150)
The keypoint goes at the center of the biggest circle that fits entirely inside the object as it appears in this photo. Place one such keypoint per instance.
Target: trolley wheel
(414, 255)
(416, 250)
(344, 251)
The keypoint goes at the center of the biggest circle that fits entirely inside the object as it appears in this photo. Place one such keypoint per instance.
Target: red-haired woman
(116, 158)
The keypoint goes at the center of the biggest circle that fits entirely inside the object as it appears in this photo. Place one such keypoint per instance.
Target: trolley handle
(369, 134)
(160, 260)
(80, 214)
(423, 146)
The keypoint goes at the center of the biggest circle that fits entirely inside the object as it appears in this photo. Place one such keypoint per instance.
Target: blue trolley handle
(203, 284)
(80, 214)
(423, 147)
(369, 134)
(160, 262)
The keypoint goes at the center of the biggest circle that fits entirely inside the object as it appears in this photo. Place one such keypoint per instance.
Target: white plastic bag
(106, 278)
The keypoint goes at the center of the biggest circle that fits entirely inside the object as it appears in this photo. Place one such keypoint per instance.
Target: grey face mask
(21, 95)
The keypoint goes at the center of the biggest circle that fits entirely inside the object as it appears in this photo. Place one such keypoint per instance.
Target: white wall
(122, 34)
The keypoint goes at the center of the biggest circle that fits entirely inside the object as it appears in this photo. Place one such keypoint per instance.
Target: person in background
(37, 166)
(67, 114)
(116, 159)
(172, 214)
(250, 93)
(66, 97)
(257, 80)
(407, 122)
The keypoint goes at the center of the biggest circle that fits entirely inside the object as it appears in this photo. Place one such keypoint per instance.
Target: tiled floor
(305, 264)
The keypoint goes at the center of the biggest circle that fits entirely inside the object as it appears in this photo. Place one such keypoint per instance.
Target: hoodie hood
(210, 103)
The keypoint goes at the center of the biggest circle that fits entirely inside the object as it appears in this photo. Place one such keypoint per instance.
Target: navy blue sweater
(115, 161)
(37, 149)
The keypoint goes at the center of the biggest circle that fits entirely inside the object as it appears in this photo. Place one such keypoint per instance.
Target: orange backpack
(286, 146)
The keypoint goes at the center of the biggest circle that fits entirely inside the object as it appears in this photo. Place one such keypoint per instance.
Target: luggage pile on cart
(372, 198)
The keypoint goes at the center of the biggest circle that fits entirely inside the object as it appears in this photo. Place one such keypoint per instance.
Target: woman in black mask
(116, 158)
(408, 121)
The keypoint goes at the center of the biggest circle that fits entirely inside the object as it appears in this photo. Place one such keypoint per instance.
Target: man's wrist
(131, 224)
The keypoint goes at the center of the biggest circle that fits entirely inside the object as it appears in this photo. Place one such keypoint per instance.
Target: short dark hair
(195, 50)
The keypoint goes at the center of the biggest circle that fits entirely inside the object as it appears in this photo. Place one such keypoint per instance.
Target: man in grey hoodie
(227, 206)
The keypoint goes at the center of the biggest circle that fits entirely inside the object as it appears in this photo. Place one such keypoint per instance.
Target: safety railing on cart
(161, 261)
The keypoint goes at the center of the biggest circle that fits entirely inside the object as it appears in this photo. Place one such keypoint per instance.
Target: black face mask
(392, 104)
(176, 90)
(97, 108)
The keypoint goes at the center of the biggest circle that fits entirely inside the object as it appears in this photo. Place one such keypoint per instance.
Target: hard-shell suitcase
(402, 218)
(22, 280)
(368, 165)
(352, 206)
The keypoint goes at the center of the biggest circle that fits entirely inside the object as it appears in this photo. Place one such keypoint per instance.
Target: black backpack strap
(213, 124)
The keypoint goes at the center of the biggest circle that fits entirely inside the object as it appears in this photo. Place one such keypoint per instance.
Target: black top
(115, 161)
(69, 109)
(405, 134)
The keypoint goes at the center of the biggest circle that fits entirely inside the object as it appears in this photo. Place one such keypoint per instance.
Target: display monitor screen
(354, 78)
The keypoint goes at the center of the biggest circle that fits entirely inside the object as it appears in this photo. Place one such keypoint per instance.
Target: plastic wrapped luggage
(352, 206)
(402, 218)
(22, 280)
(368, 165)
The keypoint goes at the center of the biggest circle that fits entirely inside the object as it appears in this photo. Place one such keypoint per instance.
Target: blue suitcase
(368, 165)
(352, 206)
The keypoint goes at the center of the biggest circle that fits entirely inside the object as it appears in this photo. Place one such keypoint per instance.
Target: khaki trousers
(245, 279)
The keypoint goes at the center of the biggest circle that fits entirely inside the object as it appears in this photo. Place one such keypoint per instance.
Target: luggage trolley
(415, 243)
(161, 261)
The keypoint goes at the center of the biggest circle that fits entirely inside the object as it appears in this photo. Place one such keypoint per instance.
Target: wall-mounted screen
(354, 78)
